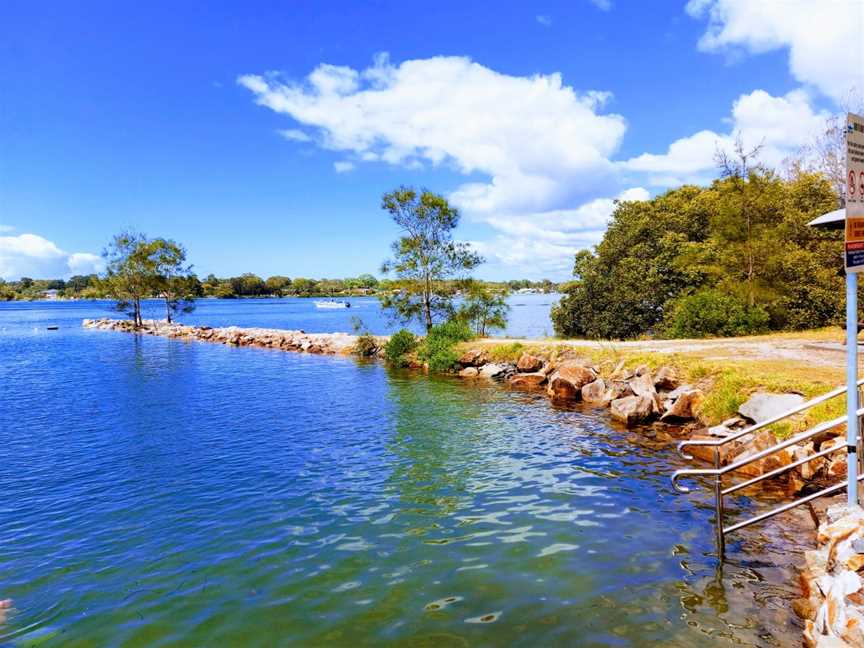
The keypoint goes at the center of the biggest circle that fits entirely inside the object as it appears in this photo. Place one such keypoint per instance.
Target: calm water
(155, 492)
(528, 317)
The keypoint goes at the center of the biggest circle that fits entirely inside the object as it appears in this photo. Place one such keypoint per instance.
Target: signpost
(854, 255)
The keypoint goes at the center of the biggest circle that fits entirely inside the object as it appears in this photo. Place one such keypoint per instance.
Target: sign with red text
(854, 193)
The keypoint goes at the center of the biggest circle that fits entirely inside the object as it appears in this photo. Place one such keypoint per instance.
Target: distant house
(53, 293)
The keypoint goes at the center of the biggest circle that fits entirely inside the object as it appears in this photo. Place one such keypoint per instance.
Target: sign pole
(854, 253)
(851, 387)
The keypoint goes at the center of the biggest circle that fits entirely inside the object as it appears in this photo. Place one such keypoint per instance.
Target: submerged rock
(469, 372)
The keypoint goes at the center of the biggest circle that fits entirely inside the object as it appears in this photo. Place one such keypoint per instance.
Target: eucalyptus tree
(130, 272)
(174, 280)
(425, 256)
(485, 308)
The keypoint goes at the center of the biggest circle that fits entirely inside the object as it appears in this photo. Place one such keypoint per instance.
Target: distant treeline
(245, 285)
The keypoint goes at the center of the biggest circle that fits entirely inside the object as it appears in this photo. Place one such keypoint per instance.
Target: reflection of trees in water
(438, 428)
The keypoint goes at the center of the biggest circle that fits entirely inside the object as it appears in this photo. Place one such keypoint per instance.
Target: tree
(745, 212)
(484, 308)
(425, 256)
(130, 272)
(277, 284)
(173, 279)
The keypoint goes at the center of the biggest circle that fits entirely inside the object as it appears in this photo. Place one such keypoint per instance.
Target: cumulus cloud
(548, 150)
(343, 166)
(30, 255)
(549, 145)
(783, 125)
(823, 38)
(543, 243)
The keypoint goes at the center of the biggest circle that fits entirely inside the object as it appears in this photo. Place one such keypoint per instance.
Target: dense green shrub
(438, 348)
(712, 313)
(400, 345)
(745, 234)
(366, 345)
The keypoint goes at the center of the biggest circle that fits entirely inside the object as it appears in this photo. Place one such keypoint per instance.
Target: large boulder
(533, 380)
(529, 364)
(763, 406)
(643, 385)
(632, 410)
(685, 407)
(666, 379)
(497, 370)
(473, 358)
(567, 381)
(594, 392)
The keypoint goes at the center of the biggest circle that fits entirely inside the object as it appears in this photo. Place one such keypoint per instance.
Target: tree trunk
(167, 309)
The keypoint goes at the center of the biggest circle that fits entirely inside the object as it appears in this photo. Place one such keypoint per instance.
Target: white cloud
(30, 255)
(294, 135)
(6, 228)
(543, 244)
(549, 146)
(781, 124)
(535, 145)
(824, 39)
(343, 166)
(544, 19)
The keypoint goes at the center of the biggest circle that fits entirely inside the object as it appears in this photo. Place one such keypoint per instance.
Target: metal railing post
(851, 384)
(718, 506)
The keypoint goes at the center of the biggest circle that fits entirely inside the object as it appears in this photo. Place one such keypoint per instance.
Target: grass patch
(507, 352)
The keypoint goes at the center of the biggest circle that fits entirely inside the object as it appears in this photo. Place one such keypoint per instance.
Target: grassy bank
(729, 371)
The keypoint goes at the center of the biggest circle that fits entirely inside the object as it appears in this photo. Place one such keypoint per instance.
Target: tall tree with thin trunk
(130, 273)
(425, 256)
(174, 280)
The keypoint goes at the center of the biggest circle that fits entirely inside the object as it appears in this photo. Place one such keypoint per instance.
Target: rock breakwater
(298, 341)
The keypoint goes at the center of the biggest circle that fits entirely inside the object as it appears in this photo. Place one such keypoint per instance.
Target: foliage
(744, 236)
(366, 345)
(484, 308)
(709, 313)
(130, 272)
(399, 346)
(173, 279)
(424, 256)
(438, 347)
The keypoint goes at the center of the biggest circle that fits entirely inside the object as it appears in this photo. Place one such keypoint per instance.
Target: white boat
(331, 303)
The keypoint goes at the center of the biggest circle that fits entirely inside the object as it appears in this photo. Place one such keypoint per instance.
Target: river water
(155, 492)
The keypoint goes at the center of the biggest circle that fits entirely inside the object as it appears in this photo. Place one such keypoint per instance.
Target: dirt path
(823, 349)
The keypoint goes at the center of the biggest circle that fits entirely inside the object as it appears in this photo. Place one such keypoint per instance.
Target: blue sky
(262, 134)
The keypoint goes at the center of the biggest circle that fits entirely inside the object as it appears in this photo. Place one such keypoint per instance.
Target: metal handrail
(798, 438)
(758, 426)
(789, 505)
(717, 472)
